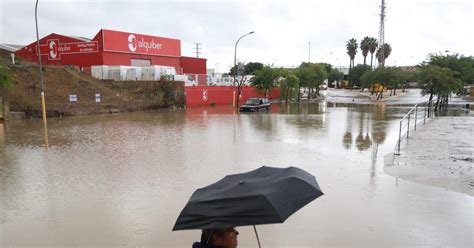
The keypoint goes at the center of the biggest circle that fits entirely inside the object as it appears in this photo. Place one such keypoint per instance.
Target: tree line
(290, 81)
(440, 76)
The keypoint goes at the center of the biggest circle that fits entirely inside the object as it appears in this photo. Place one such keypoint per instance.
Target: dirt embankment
(62, 81)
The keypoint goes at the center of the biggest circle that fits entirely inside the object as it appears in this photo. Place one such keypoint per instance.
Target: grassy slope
(62, 81)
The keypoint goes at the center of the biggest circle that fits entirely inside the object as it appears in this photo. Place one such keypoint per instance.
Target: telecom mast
(381, 44)
(197, 49)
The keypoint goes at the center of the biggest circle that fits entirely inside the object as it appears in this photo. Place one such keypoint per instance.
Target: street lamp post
(38, 51)
(235, 63)
(235, 52)
(325, 56)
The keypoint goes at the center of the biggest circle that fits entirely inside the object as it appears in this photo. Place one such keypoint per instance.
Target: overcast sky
(283, 29)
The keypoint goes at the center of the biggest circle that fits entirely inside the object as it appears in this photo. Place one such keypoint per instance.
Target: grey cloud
(283, 28)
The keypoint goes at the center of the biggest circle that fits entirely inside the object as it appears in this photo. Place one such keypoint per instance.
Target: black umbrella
(263, 196)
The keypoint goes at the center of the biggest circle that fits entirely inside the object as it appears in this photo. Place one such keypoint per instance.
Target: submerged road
(121, 180)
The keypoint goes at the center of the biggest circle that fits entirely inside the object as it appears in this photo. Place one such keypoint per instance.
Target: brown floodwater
(121, 180)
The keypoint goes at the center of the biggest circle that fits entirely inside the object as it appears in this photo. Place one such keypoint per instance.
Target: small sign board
(73, 98)
(97, 97)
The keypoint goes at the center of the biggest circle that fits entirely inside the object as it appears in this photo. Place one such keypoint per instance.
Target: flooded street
(122, 180)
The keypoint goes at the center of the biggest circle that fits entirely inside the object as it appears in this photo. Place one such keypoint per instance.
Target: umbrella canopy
(263, 196)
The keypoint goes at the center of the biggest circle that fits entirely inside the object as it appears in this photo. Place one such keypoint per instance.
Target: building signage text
(115, 41)
(54, 49)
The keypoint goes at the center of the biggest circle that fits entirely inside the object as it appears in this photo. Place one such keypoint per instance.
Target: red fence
(222, 95)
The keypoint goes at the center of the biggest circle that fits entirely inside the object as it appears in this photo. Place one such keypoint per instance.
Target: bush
(164, 89)
(5, 79)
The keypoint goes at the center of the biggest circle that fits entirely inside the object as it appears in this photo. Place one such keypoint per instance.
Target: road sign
(73, 98)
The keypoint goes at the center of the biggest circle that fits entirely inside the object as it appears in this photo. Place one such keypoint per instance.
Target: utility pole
(197, 49)
(309, 52)
(381, 44)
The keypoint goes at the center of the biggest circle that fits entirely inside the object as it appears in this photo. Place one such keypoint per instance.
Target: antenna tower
(309, 52)
(381, 44)
(197, 49)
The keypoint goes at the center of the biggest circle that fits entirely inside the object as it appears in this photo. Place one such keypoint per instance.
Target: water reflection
(97, 130)
(303, 108)
(347, 138)
(266, 124)
(372, 126)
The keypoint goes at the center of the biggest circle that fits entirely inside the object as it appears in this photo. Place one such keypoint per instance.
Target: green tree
(327, 67)
(334, 75)
(311, 76)
(249, 68)
(357, 73)
(265, 79)
(400, 78)
(239, 81)
(385, 76)
(289, 86)
(440, 81)
(372, 47)
(407, 77)
(365, 47)
(463, 67)
(387, 50)
(351, 47)
(165, 89)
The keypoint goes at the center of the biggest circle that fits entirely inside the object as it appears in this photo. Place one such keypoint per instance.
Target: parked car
(255, 105)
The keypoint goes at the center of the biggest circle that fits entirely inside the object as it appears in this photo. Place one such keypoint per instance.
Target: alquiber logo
(53, 49)
(134, 43)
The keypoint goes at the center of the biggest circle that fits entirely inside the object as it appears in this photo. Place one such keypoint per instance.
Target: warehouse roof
(10, 47)
(78, 38)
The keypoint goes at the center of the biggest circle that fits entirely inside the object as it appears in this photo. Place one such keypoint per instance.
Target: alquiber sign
(54, 48)
(115, 41)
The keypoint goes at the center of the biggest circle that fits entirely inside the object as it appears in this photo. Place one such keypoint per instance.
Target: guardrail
(411, 118)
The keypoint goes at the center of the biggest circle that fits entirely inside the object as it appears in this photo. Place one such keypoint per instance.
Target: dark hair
(206, 235)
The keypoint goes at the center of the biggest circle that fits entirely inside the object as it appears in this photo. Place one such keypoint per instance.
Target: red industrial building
(115, 48)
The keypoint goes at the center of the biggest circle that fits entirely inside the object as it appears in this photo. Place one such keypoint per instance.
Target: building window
(140, 62)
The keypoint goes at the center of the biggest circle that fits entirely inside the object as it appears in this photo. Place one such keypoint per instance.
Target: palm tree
(372, 48)
(351, 51)
(364, 47)
(387, 49)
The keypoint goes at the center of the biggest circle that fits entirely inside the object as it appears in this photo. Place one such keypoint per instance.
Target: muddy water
(121, 180)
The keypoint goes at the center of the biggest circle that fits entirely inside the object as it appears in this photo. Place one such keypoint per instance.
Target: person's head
(226, 238)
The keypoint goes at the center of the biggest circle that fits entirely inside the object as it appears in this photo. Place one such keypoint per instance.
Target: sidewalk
(439, 153)
(386, 95)
(357, 97)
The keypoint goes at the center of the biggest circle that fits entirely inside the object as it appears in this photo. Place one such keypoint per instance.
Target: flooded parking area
(122, 180)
